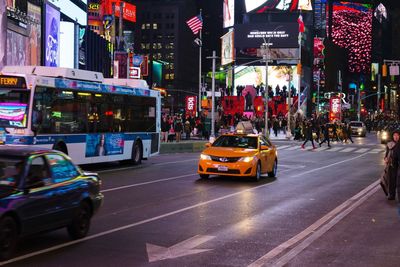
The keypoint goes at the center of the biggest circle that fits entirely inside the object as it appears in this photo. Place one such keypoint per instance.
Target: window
(147, 26)
(61, 169)
(155, 26)
(143, 26)
(38, 173)
(167, 76)
(70, 112)
(172, 76)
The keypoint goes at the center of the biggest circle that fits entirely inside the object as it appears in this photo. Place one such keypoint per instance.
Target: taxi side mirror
(263, 147)
(208, 145)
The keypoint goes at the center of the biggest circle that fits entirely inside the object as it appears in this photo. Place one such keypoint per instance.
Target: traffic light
(362, 87)
(314, 96)
(384, 70)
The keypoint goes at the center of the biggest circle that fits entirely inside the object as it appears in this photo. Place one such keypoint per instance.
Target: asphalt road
(162, 214)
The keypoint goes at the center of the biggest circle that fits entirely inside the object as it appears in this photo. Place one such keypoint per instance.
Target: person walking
(325, 132)
(178, 129)
(348, 133)
(164, 129)
(308, 135)
(392, 157)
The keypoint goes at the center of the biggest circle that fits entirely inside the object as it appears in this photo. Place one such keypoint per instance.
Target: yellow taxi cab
(239, 154)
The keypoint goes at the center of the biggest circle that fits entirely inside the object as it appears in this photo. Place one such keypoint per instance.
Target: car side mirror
(208, 145)
(263, 147)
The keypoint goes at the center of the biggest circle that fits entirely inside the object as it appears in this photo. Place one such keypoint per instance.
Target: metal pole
(76, 45)
(299, 83)
(379, 93)
(213, 95)
(121, 13)
(289, 130)
(266, 130)
(359, 104)
(318, 87)
(200, 46)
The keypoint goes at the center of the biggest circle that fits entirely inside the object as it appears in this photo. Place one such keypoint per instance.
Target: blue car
(42, 190)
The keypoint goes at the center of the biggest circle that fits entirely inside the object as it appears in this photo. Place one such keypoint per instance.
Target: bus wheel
(137, 153)
(60, 146)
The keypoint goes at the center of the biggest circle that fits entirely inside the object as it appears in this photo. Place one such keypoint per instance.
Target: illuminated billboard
(67, 32)
(352, 30)
(262, 6)
(229, 13)
(52, 36)
(278, 76)
(278, 35)
(227, 48)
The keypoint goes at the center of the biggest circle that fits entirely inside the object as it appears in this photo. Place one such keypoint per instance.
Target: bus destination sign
(12, 82)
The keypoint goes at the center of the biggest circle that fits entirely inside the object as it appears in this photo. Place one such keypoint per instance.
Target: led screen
(278, 76)
(52, 36)
(352, 29)
(261, 6)
(67, 32)
(13, 114)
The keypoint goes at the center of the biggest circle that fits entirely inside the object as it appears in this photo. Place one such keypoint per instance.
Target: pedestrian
(188, 129)
(178, 129)
(325, 132)
(392, 163)
(348, 133)
(164, 129)
(308, 135)
(275, 126)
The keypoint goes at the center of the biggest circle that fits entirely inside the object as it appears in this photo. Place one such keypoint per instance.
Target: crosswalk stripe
(362, 150)
(349, 149)
(292, 148)
(377, 150)
(322, 148)
(282, 147)
(334, 149)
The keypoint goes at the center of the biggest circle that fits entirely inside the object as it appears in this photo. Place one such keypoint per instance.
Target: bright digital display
(14, 113)
(352, 30)
(12, 82)
(52, 37)
(262, 6)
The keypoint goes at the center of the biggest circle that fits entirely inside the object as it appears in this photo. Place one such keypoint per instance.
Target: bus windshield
(13, 108)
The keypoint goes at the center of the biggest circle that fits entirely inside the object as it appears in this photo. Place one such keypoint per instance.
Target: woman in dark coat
(391, 159)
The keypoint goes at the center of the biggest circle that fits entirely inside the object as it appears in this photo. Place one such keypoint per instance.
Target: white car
(358, 128)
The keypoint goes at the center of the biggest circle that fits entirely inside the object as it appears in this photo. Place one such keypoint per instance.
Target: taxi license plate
(222, 168)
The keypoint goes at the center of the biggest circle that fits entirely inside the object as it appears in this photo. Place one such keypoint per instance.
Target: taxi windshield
(236, 141)
(10, 171)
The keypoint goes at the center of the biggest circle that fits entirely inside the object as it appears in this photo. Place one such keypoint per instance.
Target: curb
(168, 148)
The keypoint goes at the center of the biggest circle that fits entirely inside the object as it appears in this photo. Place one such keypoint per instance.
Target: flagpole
(200, 47)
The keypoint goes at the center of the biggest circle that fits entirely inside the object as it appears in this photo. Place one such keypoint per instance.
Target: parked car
(42, 190)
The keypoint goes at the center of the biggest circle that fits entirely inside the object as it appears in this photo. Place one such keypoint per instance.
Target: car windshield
(236, 141)
(356, 124)
(10, 171)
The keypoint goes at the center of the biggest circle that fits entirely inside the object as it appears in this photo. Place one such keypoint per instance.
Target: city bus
(80, 113)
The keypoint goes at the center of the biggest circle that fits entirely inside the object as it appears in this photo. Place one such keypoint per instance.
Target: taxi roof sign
(244, 127)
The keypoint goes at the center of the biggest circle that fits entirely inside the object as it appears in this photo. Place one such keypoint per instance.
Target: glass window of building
(159, 45)
(172, 76)
(147, 46)
(143, 26)
(167, 76)
(147, 26)
(155, 26)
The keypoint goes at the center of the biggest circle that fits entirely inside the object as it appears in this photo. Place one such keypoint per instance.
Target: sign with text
(52, 36)
(191, 107)
(134, 72)
(282, 35)
(335, 111)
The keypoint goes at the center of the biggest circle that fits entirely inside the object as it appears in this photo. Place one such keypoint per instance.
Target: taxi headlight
(246, 159)
(205, 157)
(384, 135)
(359, 130)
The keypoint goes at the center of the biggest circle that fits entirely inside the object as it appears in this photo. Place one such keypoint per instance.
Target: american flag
(195, 24)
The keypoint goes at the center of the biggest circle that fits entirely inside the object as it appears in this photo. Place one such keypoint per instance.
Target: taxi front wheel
(257, 177)
(274, 169)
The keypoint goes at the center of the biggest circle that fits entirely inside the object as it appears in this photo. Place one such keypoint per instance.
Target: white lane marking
(135, 167)
(330, 165)
(362, 150)
(377, 150)
(145, 183)
(267, 259)
(184, 248)
(282, 147)
(349, 149)
(121, 228)
(314, 236)
(334, 149)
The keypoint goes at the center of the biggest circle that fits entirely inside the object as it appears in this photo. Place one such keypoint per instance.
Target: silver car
(358, 128)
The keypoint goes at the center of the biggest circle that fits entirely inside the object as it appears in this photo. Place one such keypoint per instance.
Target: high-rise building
(161, 33)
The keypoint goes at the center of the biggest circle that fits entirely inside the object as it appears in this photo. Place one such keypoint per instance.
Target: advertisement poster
(16, 49)
(335, 111)
(227, 47)
(35, 33)
(104, 144)
(3, 32)
(282, 35)
(191, 107)
(229, 13)
(52, 36)
(122, 58)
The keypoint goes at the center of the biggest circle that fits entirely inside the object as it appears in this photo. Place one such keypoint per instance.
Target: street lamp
(265, 47)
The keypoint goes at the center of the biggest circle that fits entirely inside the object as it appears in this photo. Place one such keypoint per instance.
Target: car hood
(229, 152)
